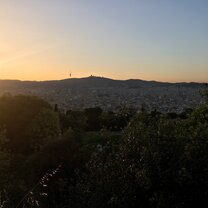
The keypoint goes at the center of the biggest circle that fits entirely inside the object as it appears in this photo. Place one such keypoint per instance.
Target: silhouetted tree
(18, 114)
(93, 118)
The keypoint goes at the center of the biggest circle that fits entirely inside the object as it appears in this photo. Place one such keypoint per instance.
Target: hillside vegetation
(94, 158)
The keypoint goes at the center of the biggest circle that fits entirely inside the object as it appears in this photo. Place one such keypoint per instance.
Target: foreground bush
(159, 163)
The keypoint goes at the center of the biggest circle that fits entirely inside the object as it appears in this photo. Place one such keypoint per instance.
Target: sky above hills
(161, 40)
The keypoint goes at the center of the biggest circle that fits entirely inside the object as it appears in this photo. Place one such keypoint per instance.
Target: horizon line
(102, 77)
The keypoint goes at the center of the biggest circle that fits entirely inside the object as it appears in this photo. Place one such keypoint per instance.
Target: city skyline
(120, 39)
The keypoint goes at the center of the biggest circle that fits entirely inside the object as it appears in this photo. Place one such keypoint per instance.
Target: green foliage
(23, 116)
(43, 128)
(160, 163)
(158, 160)
(76, 120)
(115, 121)
(93, 118)
(4, 160)
(204, 92)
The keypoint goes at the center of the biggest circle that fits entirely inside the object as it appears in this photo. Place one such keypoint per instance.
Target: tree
(159, 163)
(76, 120)
(43, 129)
(19, 113)
(5, 159)
(93, 118)
(204, 92)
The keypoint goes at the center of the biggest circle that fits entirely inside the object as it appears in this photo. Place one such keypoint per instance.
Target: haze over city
(122, 39)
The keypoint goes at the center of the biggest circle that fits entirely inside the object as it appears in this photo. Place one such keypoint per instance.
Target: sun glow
(41, 42)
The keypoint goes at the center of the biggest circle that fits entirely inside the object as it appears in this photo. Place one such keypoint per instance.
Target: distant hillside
(108, 93)
(93, 81)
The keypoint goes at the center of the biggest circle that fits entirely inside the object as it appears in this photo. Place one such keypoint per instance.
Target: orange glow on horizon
(43, 63)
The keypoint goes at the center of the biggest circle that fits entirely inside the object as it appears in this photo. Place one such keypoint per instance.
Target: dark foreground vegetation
(101, 159)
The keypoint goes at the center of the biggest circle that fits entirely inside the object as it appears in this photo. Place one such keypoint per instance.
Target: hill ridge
(98, 78)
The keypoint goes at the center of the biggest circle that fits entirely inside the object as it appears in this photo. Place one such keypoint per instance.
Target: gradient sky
(164, 40)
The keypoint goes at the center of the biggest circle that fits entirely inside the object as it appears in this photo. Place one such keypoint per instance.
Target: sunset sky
(165, 40)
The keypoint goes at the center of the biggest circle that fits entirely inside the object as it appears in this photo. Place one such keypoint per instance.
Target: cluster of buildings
(171, 98)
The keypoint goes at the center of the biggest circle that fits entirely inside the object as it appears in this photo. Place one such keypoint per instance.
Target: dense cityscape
(110, 94)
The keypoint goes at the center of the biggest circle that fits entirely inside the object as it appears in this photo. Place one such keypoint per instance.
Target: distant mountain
(94, 81)
(78, 93)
